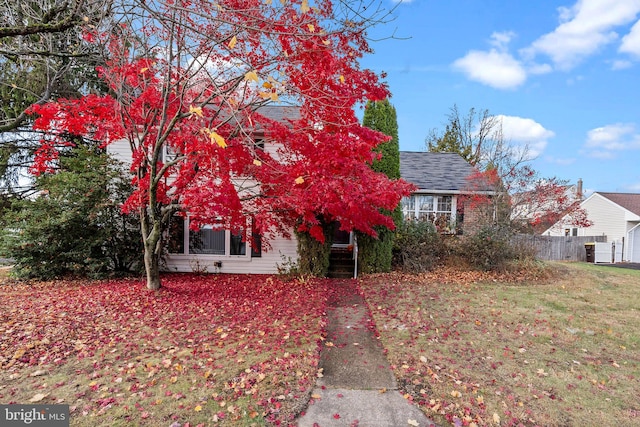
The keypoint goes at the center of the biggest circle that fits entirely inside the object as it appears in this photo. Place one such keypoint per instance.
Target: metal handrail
(355, 256)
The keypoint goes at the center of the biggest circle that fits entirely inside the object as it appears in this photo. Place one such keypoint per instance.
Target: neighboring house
(444, 182)
(539, 211)
(614, 215)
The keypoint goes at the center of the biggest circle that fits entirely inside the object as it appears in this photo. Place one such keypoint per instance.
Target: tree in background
(521, 198)
(472, 136)
(74, 225)
(42, 57)
(376, 253)
(186, 92)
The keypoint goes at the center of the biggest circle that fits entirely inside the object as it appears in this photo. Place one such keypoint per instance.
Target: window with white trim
(210, 239)
(438, 209)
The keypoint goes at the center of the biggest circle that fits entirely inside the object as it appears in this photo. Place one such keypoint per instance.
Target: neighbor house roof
(438, 172)
(629, 201)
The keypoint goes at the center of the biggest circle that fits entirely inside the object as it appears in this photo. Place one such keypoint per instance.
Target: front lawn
(233, 350)
(467, 347)
(480, 349)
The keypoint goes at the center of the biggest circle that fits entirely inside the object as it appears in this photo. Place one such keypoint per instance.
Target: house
(441, 178)
(444, 182)
(215, 250)
(614, 215)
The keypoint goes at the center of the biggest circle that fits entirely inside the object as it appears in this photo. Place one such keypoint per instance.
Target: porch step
(341, 264)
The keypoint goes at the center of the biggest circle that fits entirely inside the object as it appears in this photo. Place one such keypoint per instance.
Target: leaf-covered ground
(236, 350)
(469, 348)
(480, 349)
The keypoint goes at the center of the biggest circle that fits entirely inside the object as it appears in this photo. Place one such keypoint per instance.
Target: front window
(440, 210)
(211, 240)
(207, 240)
(238, 247)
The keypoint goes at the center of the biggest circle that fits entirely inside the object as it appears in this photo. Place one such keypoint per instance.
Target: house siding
(608, 219)
(121, 151)
(633, 244)
(282, 251)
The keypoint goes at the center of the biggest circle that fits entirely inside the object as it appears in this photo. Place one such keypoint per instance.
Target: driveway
(630, 265)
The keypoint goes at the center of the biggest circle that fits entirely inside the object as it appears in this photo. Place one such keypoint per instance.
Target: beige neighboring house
(614, 215)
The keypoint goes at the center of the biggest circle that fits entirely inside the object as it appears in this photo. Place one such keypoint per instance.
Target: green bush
(375, 254)
(74, 225)
(313, 256)
(489, 248)
(418, 247)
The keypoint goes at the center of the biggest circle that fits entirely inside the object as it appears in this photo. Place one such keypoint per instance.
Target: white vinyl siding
(610, 220)
(282, 250)
(121, 151)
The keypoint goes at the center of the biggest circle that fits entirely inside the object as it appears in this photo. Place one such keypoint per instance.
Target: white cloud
(496, 67)
(493, 68)
(605, 141)
(526, 133)
(562, 161)
(631, 42)
(584, 28)
(501, 40)
(539, 69)
(621, 64)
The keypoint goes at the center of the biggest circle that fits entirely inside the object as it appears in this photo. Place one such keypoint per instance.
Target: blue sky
(564, 76)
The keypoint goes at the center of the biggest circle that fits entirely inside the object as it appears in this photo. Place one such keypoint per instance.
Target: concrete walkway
(358, 387)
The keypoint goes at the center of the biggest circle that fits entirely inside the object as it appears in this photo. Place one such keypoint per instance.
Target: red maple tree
(187, 81)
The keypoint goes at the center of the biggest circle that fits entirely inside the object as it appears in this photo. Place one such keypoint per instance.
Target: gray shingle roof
(436, 171)
(280, 113)
(629, 201)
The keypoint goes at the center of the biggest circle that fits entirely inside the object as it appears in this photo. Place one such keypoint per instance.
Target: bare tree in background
(43, 56)
(523, 199)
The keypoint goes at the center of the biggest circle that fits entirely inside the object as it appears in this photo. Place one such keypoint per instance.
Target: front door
(340, 237)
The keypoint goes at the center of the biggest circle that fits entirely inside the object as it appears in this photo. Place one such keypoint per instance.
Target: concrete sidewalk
(358, 387)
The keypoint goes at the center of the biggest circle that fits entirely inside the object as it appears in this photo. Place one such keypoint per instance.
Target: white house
(441, 177)
(614, 215)
(213, 250)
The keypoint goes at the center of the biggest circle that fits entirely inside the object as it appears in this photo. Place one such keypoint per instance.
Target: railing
(355, 256)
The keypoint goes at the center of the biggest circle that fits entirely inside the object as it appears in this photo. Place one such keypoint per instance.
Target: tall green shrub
(313, 256)
(74, 224)
(376, 254)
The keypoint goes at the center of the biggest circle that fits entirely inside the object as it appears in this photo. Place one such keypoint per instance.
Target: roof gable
(436, 171)
(628, 201)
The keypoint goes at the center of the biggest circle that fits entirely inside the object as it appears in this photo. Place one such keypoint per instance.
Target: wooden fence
(558, 248)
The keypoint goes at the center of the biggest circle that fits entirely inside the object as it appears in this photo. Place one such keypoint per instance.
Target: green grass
(559, 352)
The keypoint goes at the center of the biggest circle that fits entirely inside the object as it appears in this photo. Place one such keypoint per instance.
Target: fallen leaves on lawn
(480, 348)
(253, 341)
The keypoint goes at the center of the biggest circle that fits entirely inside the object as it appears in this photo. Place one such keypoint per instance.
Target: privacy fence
(558, 248)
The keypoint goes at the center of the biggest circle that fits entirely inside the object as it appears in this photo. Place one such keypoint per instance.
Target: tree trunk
(152, 268)
(152, 251)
